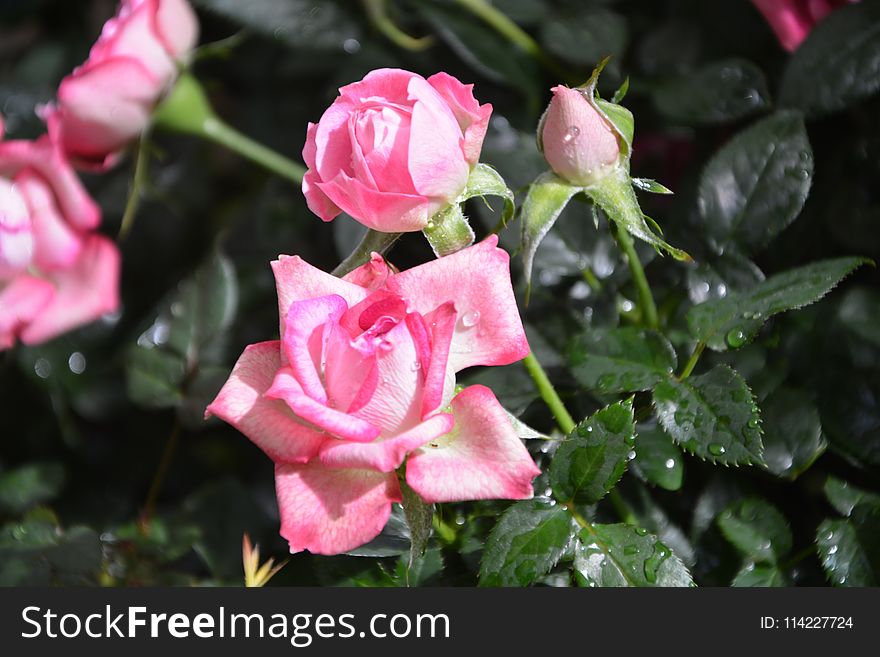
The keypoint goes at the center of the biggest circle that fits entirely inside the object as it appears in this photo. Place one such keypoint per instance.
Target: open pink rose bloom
(394, 149)
(107, 102)
(56, 273)
(363, 379)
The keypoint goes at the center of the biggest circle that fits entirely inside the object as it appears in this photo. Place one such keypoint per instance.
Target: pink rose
(364, 377)
(55, 272)
(107, 102)
(393, 149)
(578, 142)
(792, 20)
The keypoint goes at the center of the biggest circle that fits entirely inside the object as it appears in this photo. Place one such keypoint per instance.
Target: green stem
(646, 299)
(376, 11)
(692, 361)
(548, 394)
(225, 135)
(513, 33)
(373, 241)
(138, 181)
(159, 476)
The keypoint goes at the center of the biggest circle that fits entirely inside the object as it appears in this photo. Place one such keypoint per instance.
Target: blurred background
(109, 475)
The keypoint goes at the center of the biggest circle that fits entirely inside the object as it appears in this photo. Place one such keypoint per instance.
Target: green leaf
(658, 460)
(395, 539)
(756, 185)
(318, 24)
(594, 456)
(486, 181)
(419, 517)
(586, 36)
(621, 359)
(734, 320)
(29, 485)
(420, 571)
(718, 92)
(757, 529)
(792, 432)
(622, 119)
(525, 544)
(623, 555)
(713, 416)
(850, 549)
(761, 575)
(614, 194)
(845, 497)
(838, 64)
(173, 358)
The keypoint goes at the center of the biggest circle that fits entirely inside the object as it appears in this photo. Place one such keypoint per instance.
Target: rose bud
(107, 102)
(578, 142)
(56, 273)
(394, 149)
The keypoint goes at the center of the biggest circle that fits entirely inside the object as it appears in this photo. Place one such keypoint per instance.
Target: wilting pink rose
(393, 149)
(107, 102)
(364, 377)
(55, 272)
(578, 143)
(792, 20)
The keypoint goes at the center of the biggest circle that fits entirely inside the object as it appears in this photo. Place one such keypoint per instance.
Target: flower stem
(692, 361)
(548, 394)
(646, 299)
(378, 15)
(139, 179)
(225, 135)
(159, 476)
(373, 241)
(513, 33)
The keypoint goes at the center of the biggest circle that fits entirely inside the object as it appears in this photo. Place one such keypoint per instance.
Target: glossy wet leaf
(838, 64)
(757, 529)
(394, 539)
(733, 321)
(658, 459)
(756, 185)
(716, 93)
(850, 549)
(621, 359)
(845, 496)
(178, 355)
(623, 555)
(712, 415)
(525, 544)
(593, 458)
(546, 199)
(792, 432)
(318, 24)
(761, 575)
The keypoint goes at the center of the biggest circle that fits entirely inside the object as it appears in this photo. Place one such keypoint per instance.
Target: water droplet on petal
(571, 134)
(470, 319)
(416, 366)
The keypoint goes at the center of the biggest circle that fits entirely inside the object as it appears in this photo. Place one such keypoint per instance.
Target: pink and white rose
(394, 149)
(56, 273)
(107, 102)
(363, 379)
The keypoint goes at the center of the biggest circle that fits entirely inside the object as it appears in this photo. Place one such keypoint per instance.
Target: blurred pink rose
(364, 376)
(578, 143)
(792, 20)
(393, 149)
(107, 102)
(55, 272)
